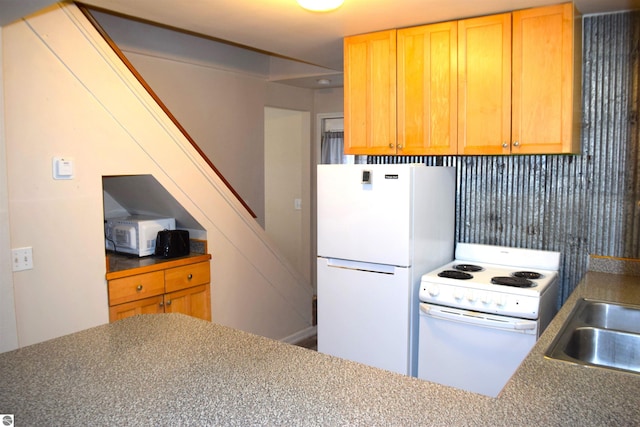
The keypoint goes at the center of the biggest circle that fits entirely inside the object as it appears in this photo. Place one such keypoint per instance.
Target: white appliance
(380, 227)
(482, 313)
(135, 234)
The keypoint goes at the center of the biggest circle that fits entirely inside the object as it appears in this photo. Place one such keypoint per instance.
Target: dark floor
(311, 342)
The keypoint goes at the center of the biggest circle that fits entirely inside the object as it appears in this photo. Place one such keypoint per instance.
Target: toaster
(172, 243)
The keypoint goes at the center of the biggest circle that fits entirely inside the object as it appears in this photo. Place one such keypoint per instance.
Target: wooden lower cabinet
(167, 288)
(152, 305)
(195, 301)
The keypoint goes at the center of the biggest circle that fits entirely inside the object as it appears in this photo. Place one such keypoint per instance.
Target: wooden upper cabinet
(547, 80)
(484, 85)
(370, 93)
(499, 84)
(427, 89)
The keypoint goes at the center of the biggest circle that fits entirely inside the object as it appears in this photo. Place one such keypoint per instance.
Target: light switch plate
(62, 168)
(22, 258)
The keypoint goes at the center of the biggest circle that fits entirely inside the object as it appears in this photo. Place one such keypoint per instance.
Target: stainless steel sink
(600, 333)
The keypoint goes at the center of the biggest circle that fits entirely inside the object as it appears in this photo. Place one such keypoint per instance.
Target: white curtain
(332, 150)
(332, 147)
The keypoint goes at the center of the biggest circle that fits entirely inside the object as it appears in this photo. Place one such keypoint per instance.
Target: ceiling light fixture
(320, 5)
(323, 82)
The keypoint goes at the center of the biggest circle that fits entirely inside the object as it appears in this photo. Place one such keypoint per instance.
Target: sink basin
(608, 315)
(599, 333)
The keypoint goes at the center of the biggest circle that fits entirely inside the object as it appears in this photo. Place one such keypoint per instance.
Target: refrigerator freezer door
(363, 313)
(365, 221)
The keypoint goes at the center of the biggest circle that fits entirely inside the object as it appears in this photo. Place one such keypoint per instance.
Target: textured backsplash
(577, 205)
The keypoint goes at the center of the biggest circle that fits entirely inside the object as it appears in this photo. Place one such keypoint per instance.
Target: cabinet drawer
(186, 276)
(136, 287)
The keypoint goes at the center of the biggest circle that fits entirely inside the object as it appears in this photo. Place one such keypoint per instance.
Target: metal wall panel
(578, 205)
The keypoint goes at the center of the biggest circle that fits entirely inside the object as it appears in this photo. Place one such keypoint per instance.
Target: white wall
(287, 154)
(67, 94)
(8, 331)
(216, 91)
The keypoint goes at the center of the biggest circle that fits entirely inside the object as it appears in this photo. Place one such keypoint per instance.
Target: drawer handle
(139, 288)
(189, 276)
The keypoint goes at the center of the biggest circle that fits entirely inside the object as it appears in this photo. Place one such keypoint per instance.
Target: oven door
(472, 351)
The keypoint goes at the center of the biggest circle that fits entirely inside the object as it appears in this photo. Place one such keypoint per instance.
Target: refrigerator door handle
(361, 266)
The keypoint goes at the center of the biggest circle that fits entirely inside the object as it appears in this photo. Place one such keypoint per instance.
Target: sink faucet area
(600, 333)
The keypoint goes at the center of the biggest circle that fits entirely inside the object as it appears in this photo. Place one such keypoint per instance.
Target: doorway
(287, 185)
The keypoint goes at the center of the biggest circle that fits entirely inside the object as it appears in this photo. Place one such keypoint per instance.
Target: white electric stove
(481, 314)
(495, 279)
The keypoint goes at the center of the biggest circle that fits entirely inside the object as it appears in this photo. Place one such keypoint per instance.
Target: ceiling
(282, 28)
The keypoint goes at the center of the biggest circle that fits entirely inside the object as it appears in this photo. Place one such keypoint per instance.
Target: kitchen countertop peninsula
(171, 369)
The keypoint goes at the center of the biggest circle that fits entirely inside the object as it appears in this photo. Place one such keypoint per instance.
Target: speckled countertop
(171, 369)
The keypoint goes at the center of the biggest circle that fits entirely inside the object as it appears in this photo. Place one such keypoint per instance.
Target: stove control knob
(458, 294)
(434, 290)
(471, 296)
(486, 298)
(501, 301)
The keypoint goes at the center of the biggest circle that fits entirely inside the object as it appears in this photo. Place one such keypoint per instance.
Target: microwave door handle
(473, 318)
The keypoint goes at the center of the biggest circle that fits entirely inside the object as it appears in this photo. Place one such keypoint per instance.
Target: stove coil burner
(531, 275)
(468, 267)
(517, 282)
(454, 274)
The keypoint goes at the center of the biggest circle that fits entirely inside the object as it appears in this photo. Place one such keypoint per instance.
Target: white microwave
(135, 234)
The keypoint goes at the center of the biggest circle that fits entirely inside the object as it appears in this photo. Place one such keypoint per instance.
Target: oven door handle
(479, 319)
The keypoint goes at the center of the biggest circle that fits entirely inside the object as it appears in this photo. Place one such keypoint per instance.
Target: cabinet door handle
(189, 276)
(505, 145)
(391, 145)
(169, 302)
(399, 146)
(516, 143)
(139, 288)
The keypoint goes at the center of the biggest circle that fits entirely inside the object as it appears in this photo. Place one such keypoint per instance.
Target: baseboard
(301, 335)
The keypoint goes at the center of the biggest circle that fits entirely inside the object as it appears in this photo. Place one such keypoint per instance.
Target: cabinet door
(543, 81)
(427, 89)
(193, 301)
(153, 305)
(484, 85)
(370, 93)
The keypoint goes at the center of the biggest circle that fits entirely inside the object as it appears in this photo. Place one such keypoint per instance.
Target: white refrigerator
(380, 228)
